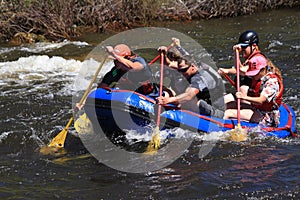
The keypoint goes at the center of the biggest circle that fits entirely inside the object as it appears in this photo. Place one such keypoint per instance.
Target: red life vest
(257, 87)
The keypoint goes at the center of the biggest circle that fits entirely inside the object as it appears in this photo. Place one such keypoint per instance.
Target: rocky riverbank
(23, 21)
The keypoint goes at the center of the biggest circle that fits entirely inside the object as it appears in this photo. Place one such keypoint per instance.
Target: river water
(37, 84)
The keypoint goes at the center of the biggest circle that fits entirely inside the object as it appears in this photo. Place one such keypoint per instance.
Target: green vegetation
(36, 20)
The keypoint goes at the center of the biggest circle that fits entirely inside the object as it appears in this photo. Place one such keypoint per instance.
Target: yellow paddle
(59, 140)
(238, 134)
(83, 124)
(154, 144)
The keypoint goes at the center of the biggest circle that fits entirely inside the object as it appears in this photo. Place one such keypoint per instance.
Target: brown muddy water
(36, 100)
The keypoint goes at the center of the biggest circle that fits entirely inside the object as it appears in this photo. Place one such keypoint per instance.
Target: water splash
(39, 73)
(42, 47)
(4, 135)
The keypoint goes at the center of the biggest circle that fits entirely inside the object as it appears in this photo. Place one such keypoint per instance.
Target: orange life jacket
(257, 87)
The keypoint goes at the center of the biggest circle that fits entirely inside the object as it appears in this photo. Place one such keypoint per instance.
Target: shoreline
(35, 21)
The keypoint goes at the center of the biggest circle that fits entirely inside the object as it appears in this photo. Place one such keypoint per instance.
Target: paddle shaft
(87, 91)
(59, 139)
(160, 86)
(237, 65)
(161, 56)
(230, 80)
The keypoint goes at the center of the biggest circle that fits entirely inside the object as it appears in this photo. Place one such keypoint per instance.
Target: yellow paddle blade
(238, 134)
(154, 144)
(59, 140)
(53, 151)
(83, 124)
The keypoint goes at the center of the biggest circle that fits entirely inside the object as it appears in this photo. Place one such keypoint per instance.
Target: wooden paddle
(237, 65)
(154, 144)
(59, 140)
(158, 56)
(238, 134)
(229, 80)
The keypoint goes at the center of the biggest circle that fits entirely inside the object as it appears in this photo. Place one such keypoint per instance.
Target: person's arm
(134, 66)
(128, 64)
(222, 71)
(243, 69)
(167, 61)
(269, 92)
(254, 100)
(176, 43)
(188, 95)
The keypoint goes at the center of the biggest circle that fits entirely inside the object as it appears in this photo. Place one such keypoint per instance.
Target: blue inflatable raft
(117, 110)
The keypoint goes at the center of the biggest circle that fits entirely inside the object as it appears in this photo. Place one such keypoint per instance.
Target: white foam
(41, 63)
(132, 135)
(87, 72)
(274, 43)
(293, 98)
(42, 46)
(73, 74)
(296, 47)
(4, 135)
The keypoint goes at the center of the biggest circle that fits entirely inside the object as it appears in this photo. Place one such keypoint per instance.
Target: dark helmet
(248, 38)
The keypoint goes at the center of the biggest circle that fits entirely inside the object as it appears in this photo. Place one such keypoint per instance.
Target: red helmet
(122, 50)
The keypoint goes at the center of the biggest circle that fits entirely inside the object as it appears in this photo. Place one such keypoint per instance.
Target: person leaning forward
(130, 71)
(204, 94)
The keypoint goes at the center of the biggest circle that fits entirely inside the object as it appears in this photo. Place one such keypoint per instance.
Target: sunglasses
(244, 47)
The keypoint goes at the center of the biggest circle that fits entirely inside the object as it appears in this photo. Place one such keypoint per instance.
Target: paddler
(204, 92)
(262, 96)
(129, 72)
